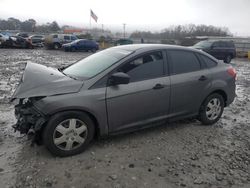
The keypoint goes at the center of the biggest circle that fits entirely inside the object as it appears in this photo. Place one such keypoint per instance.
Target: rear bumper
(231, 93)
(230, 99)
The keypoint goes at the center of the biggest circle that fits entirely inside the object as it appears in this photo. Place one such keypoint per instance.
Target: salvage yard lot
(183, 153)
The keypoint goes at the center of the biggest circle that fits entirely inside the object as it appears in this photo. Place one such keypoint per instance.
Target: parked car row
(220, 49)
(21, 40)
(71, 43)
(15, 42)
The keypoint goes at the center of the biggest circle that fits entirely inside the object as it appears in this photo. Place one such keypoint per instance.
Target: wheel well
(57, 43)
(223, 94)
(92, 117)
(220, 92)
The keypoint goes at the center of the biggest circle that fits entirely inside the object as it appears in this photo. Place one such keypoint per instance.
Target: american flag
(92, 14)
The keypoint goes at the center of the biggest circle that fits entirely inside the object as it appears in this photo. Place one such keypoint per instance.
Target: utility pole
(124, 27)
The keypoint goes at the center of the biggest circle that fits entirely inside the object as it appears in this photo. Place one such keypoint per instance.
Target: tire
(56, 46)
(93, 50)
(228, 59)
(31, 46)
(68, 133)
(73, 49)
(211, 109)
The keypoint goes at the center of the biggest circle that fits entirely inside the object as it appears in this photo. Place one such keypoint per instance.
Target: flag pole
(90, 21)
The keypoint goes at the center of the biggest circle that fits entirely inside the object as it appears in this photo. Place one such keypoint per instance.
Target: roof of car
(147, 47)
(135, 47)
(214, 40)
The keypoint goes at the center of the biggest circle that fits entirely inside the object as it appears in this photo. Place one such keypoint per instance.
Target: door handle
(158, 86)
(203, 78)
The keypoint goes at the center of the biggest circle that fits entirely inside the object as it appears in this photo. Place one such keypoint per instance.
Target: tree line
(183, 31)
(29, 25)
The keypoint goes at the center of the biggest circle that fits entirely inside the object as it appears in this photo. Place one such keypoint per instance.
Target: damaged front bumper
(29, 119)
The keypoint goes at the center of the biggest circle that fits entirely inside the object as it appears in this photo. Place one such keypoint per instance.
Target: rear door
(190, 82)
(81, 45)
(145, 98)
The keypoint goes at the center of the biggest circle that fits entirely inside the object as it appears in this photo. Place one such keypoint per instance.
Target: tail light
(231, 71)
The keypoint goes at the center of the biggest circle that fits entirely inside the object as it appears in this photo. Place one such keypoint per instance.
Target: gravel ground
(180, 154)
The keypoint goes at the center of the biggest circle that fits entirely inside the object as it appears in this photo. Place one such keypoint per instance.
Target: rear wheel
(211, 109)
(73, 49)
(56, 46)
(68, 133)
(228, 59)
(93, 50)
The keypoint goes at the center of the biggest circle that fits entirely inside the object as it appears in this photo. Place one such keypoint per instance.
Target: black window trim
(204, 63)
(171, 63)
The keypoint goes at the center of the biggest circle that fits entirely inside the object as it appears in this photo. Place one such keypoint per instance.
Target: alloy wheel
(213, 109)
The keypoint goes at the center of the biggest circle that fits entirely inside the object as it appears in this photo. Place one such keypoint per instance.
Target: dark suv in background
(222, 50)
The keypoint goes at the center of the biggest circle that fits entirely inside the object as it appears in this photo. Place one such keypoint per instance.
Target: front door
(145, 98)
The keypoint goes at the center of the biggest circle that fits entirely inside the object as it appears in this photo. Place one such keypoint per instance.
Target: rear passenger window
(216, 44)
(183, 62)
(209, 62)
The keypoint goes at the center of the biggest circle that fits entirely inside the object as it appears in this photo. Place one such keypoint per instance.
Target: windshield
(75, 41)
(205, 44)
(96, 63)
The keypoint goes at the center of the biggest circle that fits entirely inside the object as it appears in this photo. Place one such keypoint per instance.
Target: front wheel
(211, 109)
(228, 59)
(56, 46)
(68, 133)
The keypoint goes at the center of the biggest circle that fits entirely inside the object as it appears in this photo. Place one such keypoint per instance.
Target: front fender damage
(29, 120)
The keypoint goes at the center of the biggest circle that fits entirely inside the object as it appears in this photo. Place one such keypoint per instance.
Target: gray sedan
(117, 90)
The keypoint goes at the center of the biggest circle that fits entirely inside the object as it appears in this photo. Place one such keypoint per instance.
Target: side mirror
(118, 78)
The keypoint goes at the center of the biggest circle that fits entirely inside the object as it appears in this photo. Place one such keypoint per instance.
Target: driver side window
(148, 66)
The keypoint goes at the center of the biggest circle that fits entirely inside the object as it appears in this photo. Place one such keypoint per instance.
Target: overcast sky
(151, 15)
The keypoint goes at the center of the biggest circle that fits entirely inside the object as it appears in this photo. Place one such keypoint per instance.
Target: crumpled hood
(39, 80)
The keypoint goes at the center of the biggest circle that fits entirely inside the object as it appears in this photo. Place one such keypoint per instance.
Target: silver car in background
(117, 90)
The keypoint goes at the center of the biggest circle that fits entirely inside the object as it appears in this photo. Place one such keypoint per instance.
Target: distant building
(74, 31)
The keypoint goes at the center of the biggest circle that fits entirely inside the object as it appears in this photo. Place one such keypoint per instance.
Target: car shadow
(155, 129)
(121, 139)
